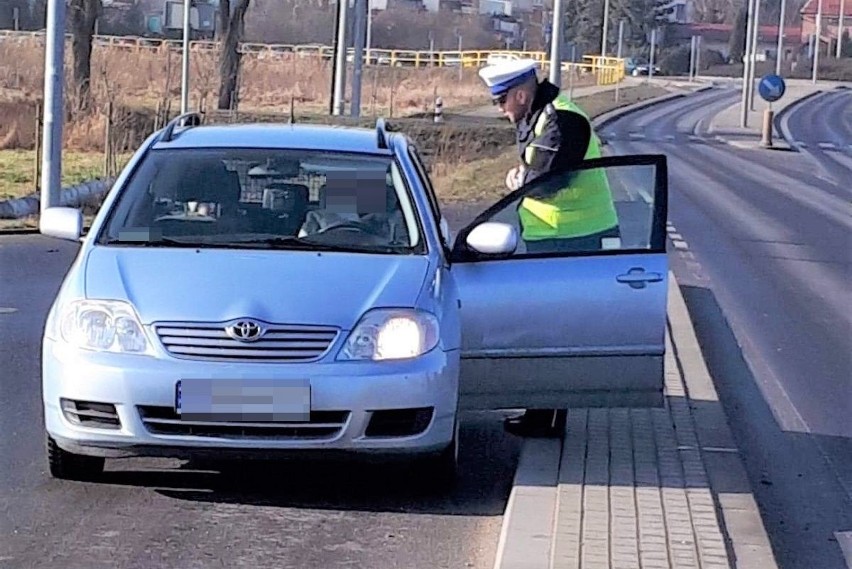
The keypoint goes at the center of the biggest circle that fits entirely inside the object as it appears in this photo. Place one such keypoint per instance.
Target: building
(830, 20)
(717, 37)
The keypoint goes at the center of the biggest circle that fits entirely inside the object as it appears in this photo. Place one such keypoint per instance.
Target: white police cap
(502, 76)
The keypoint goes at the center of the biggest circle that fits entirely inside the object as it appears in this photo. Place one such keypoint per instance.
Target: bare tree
(231, 23)
(82, 15)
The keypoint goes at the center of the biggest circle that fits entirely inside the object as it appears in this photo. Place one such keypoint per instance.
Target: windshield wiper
(306, 245)
(159, 242)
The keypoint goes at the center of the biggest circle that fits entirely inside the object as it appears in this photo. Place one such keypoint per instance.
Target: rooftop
(278, 135)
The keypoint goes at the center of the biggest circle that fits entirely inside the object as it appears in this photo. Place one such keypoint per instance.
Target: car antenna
(187, 120)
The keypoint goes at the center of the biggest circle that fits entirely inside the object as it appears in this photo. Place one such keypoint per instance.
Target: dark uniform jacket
(564, 140)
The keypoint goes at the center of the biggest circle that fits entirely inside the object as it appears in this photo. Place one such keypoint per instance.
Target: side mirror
(62, 222)
(492, 238)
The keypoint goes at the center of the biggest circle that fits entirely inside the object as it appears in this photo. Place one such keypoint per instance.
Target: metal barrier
(607, 70)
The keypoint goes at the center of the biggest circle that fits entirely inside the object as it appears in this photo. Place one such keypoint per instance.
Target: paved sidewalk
(639, 488)
(726, 124)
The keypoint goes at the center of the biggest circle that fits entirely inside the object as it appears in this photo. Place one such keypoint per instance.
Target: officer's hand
(515, 178)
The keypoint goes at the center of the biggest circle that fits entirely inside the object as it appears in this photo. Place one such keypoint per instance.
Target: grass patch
(17, 170)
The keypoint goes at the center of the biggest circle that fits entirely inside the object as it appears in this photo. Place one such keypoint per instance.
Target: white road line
(682, 245)
(646, 197)
(676, 236)
(7, 310)
(826, 145)
(844, 540)
(636, 135)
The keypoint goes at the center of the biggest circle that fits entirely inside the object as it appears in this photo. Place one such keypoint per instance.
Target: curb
(782, 118)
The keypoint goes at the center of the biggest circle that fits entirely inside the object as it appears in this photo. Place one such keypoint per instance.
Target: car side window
(605, 206)
(427, 182)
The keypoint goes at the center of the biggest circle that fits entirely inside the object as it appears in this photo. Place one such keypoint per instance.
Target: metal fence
(607, 70)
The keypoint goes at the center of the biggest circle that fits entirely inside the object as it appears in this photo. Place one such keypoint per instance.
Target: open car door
(566, 323)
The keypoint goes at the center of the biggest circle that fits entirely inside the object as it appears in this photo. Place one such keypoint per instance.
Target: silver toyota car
(269, 289)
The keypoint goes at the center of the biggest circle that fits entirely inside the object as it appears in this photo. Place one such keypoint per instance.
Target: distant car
(294, 290)
(499, 57)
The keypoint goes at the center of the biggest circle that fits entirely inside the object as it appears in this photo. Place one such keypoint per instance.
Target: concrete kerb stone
(76, 195)
(781, 120)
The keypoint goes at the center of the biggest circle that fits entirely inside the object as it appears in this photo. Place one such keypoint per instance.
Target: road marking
(844, 540)
(7, 310)
(826, 145)
(636, 135)
(670, 137)
(646, 197)
(682, 245)
(800, 144)
(677, 236)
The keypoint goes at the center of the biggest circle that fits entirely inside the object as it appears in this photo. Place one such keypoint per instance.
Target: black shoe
(538, 423)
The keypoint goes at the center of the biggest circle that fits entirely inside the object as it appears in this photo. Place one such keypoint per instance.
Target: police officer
(553, 133)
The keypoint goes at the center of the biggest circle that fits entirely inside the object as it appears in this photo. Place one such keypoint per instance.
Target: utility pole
(653, 48)
(747, 60)
(340, 60)
(817, 42)
(54, 67)
(461, 58)
(184, 82)
(619, 51)
(839, 50)
(556, 43)
(360, 35)
(754, 38)
(605, 30)
(692, 60)
(780, 49)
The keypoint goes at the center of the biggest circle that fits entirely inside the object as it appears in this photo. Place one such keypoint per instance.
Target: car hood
(291, 287)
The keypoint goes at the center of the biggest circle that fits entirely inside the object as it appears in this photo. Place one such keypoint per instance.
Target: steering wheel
(349, 225)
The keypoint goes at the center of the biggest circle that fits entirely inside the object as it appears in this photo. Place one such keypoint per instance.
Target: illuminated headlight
(391, 335)
(103, 325)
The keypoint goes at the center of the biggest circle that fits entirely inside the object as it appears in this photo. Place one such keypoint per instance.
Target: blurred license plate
(243, 400)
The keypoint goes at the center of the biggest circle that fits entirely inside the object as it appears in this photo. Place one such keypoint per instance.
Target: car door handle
(638, 278)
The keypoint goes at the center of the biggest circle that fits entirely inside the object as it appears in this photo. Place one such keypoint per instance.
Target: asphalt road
(822, 129)
(154, 513)
(761, 242)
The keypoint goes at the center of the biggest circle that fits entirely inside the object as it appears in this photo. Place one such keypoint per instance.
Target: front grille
(322, 425)
(399, 422)
(280, 343)
(91, 414)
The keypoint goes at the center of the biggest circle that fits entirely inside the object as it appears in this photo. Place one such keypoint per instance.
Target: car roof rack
(381, 133)
(186, 119)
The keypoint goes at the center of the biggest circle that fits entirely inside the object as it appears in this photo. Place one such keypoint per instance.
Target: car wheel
(67, 466)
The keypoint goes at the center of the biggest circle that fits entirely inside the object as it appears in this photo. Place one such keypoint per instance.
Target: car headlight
(391, 334)
(103, 325)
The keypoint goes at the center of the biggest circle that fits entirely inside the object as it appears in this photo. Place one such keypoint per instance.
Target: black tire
(67, 466)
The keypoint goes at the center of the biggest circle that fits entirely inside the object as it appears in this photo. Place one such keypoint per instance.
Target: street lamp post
(556, 43)
(839, 49)
(184, 83)
(817, 41)
(54, 67)
(747, 61)
(780, 49)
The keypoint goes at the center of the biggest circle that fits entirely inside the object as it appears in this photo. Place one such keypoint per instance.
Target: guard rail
(607, 70)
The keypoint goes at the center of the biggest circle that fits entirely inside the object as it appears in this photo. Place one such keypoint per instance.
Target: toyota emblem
(245, 330)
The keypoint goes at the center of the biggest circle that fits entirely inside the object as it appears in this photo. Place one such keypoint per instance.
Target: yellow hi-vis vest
(583, 207)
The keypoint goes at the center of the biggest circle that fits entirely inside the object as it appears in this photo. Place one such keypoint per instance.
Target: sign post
(771, 88)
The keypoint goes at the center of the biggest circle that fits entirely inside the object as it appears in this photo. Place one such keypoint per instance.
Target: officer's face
(514, 104)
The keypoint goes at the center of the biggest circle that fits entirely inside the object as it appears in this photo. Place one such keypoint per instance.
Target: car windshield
(266, 198)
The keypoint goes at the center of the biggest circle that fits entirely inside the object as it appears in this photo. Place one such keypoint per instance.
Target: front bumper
(114, 406)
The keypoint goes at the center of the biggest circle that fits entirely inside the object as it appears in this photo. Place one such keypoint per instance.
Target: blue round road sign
(771, 87)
